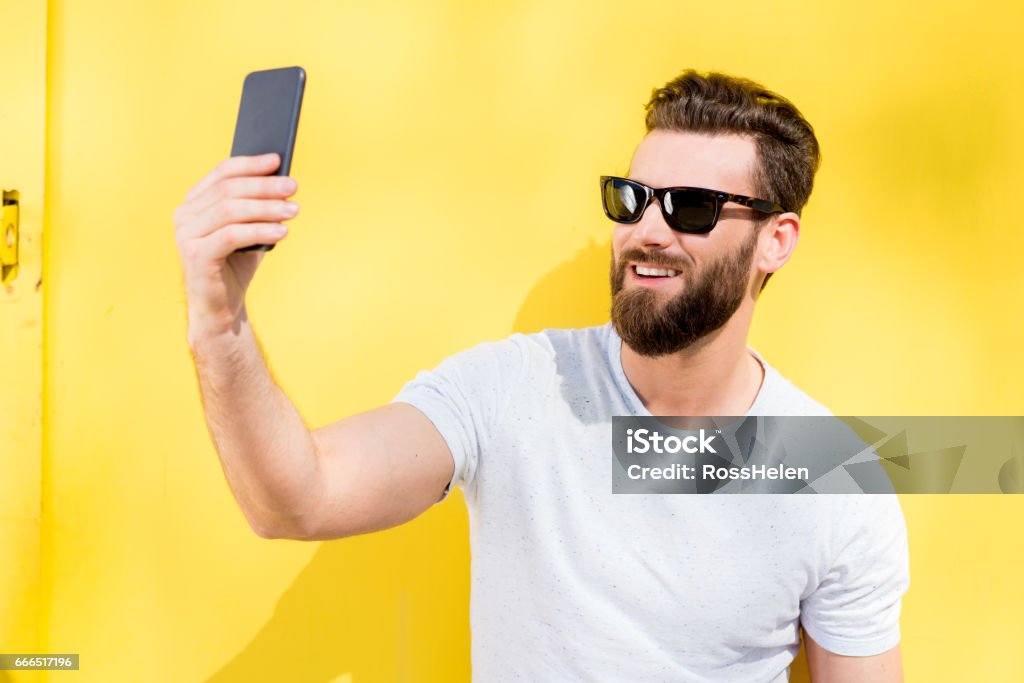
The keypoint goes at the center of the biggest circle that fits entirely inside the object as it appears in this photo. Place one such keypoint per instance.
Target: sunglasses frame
(719, 197)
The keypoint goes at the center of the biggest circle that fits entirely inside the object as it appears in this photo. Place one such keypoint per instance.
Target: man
(571, 582)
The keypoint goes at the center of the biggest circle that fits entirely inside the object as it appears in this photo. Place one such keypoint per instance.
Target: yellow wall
(905, 295)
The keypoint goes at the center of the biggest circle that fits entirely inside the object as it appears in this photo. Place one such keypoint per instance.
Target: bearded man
(569, 581)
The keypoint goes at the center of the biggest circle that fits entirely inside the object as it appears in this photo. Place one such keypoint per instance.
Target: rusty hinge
(9, 236)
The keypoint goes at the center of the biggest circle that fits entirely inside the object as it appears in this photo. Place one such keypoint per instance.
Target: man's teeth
(656, 272)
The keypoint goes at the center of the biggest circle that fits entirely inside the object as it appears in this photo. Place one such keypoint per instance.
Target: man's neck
(717, 375)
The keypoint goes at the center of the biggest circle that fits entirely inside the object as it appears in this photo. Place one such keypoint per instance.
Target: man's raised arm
(367, 472)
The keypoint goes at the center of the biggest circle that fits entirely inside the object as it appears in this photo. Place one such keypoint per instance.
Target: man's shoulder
(546, 348)
(568, 334)
(552, 342)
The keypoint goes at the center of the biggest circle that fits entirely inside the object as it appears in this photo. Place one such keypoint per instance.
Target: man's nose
(652, 230)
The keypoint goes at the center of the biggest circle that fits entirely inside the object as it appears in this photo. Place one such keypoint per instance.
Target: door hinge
(9, 236)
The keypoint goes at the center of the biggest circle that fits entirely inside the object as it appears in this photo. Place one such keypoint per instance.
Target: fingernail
(288, 185)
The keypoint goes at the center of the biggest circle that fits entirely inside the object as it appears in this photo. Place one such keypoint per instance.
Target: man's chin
(646, 300)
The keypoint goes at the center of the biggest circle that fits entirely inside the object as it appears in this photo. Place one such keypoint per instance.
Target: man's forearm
(265, 448)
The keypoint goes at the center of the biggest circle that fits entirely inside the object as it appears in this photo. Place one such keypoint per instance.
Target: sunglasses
(686, 209)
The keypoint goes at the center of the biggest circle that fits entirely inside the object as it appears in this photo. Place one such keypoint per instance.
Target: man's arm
(370, 471)
(367, 472)
(828, 667)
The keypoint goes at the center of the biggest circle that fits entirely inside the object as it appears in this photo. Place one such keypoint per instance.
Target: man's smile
(652, 276)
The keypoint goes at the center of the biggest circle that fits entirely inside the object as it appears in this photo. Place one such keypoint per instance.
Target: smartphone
(268, 119)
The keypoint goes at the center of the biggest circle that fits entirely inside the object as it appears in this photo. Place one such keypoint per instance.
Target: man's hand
(236, 205)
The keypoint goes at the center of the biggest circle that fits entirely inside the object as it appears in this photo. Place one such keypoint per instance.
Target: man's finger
(216, 216)
(219, 245)
(235, 166)
(251, 187)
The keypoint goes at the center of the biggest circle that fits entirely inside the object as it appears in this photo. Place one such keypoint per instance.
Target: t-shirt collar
(613, 347)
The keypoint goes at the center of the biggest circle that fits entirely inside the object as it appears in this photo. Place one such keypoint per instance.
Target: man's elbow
(281, 530)
(267, 532)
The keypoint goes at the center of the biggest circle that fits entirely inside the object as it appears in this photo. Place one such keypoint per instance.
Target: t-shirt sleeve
(855, 608)
(463, 397)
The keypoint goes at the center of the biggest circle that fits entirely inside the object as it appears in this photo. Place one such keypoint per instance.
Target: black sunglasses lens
(623, 200)
(690, 210)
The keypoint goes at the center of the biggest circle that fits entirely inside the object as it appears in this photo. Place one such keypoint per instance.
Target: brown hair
(717, 103)
(787, 151)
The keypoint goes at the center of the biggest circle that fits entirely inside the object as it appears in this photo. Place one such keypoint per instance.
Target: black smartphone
(268, 119)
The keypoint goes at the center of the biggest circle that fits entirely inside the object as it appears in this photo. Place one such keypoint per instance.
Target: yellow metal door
(22, 145)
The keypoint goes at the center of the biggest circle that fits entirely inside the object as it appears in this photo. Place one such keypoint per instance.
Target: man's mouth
(649, 275)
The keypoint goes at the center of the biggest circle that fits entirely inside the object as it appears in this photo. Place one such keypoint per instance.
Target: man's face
(658, 315)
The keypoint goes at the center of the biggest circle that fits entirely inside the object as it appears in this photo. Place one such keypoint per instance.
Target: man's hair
(715, 103)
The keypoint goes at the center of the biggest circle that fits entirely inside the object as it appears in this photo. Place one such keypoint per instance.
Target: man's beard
(708, 299)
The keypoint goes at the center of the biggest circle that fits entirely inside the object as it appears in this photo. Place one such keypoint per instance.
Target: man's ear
(777, 241)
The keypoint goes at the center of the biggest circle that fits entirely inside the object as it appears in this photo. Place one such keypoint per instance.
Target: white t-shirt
(571, 582)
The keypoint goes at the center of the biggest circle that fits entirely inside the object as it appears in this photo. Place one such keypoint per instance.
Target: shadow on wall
(363, 605)
(567, 296)
(319, 630)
